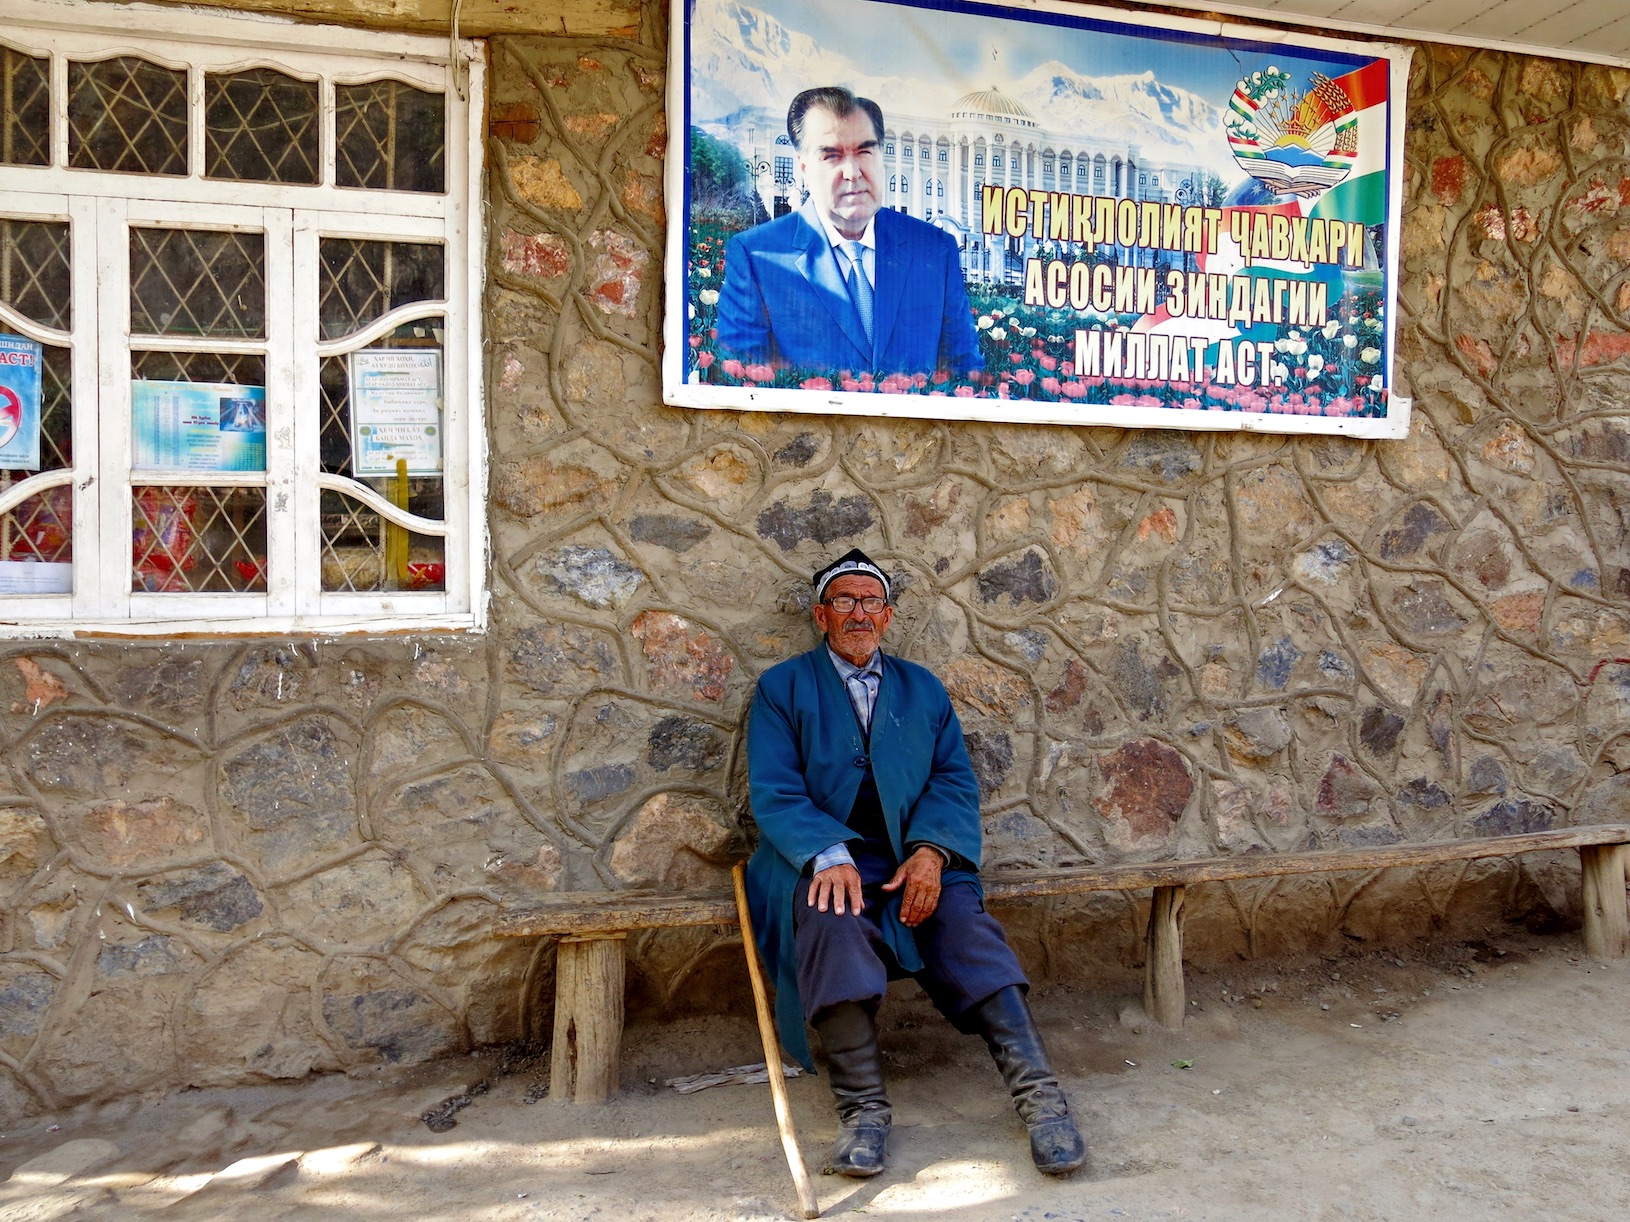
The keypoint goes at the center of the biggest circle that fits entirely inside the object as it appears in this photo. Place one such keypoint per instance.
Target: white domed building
(935, 169)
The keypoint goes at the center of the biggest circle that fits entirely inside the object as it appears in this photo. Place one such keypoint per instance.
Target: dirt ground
(1455, 1081)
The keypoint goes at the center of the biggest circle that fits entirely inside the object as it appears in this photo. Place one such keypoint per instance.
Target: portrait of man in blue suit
(843, 283)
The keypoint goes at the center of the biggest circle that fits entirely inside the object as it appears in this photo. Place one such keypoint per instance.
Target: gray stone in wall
(798, 451)
(1369, 836)
(552, 657)
(1420, 523)
(155, 956)
(1028, 643)
(273, 674)
(991, 753)
(397, 1023)
(1423, 794)
(1378, 730)
(683, 742)
(1275, 663)
(1138, 683)
(824, 520)
(172, 684)
(593, 575)
(299, 774)
(1026, 578)
(1514, 816)
(668, 530)
(1258, 733)
(1424, 608)
(94, 756)
(23, 1002)
(600, 782)
(1167, 454)
(214, 896)
(1325, 562)
(1334, 665)
(1487, 775)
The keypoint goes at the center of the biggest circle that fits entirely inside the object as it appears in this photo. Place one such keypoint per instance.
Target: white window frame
(99, 208)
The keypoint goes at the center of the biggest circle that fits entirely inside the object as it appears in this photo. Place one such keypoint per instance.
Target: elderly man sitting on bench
(867, 870)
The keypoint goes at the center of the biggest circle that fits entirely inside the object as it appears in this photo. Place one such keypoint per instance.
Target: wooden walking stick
(772, 1051)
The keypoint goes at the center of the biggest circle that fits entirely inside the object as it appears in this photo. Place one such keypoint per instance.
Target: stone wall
(229, 861)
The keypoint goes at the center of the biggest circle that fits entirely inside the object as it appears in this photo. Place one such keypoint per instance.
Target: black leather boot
(1004, 1020)
(854, 1065)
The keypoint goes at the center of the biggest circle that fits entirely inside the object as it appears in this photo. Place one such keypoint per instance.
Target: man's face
(853, 637)
(840, 163)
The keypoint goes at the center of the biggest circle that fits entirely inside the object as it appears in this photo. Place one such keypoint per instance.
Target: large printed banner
(1048, 214)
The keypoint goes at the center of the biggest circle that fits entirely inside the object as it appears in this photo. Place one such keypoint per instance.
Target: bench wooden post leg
(588, 1018)
(1163, 959)
(1607, 923)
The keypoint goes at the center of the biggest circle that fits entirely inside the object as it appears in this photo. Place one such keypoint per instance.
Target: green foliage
(720, 184)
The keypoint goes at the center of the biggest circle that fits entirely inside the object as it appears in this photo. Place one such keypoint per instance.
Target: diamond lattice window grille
(127, 114)
(390, 136)
(198, 540)
(238, 369)
(35, 271)
(355, 551)
(260, 125)
(335, 445)
(197, 282)
(360, 281)
(56, 409)
(25, 109)
(41, 529)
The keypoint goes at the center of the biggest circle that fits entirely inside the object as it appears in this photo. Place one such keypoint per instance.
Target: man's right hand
(837, 887)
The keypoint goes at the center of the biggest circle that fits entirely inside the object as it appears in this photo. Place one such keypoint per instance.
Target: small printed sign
(395, 412)
(20, 403)
(197, 426)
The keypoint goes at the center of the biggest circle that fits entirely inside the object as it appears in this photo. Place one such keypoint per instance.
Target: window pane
(56, 410)
(391, 136)
(25, 109)
(362, 281)
(198, 540)
(260, 125)
(172, 391)
(127, 114)
(34, 271)
(363, 552)
(40, 531)
(335, 448)
(196, 282)
(239, 369)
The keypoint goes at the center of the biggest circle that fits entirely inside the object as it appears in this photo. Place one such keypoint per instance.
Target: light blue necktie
(860, 288)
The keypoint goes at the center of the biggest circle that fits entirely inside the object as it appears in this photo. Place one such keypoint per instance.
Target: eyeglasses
(843, 604)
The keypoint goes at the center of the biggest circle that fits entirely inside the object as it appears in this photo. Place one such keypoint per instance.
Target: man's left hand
(920, 876)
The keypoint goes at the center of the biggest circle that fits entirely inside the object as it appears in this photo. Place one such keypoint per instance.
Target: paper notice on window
(197, 426)
(20, 403)
(395, 412)
(31, 577)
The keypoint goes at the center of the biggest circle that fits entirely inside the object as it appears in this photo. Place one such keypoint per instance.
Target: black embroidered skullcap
(852, 561)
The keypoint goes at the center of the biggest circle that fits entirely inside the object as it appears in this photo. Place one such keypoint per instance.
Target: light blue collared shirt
(862, 683)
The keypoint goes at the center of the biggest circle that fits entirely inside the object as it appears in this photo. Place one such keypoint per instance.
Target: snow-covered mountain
(746, 63)
(1166, 122)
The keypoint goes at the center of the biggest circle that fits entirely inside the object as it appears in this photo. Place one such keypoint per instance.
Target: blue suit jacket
(803, 745)
(784, 300)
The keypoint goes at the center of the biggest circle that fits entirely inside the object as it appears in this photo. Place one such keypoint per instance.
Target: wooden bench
(589, 966)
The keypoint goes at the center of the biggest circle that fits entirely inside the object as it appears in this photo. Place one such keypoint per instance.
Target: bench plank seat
(588, 913)
(583, 918)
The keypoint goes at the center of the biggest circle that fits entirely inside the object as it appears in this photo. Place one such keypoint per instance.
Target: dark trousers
(965, 955)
